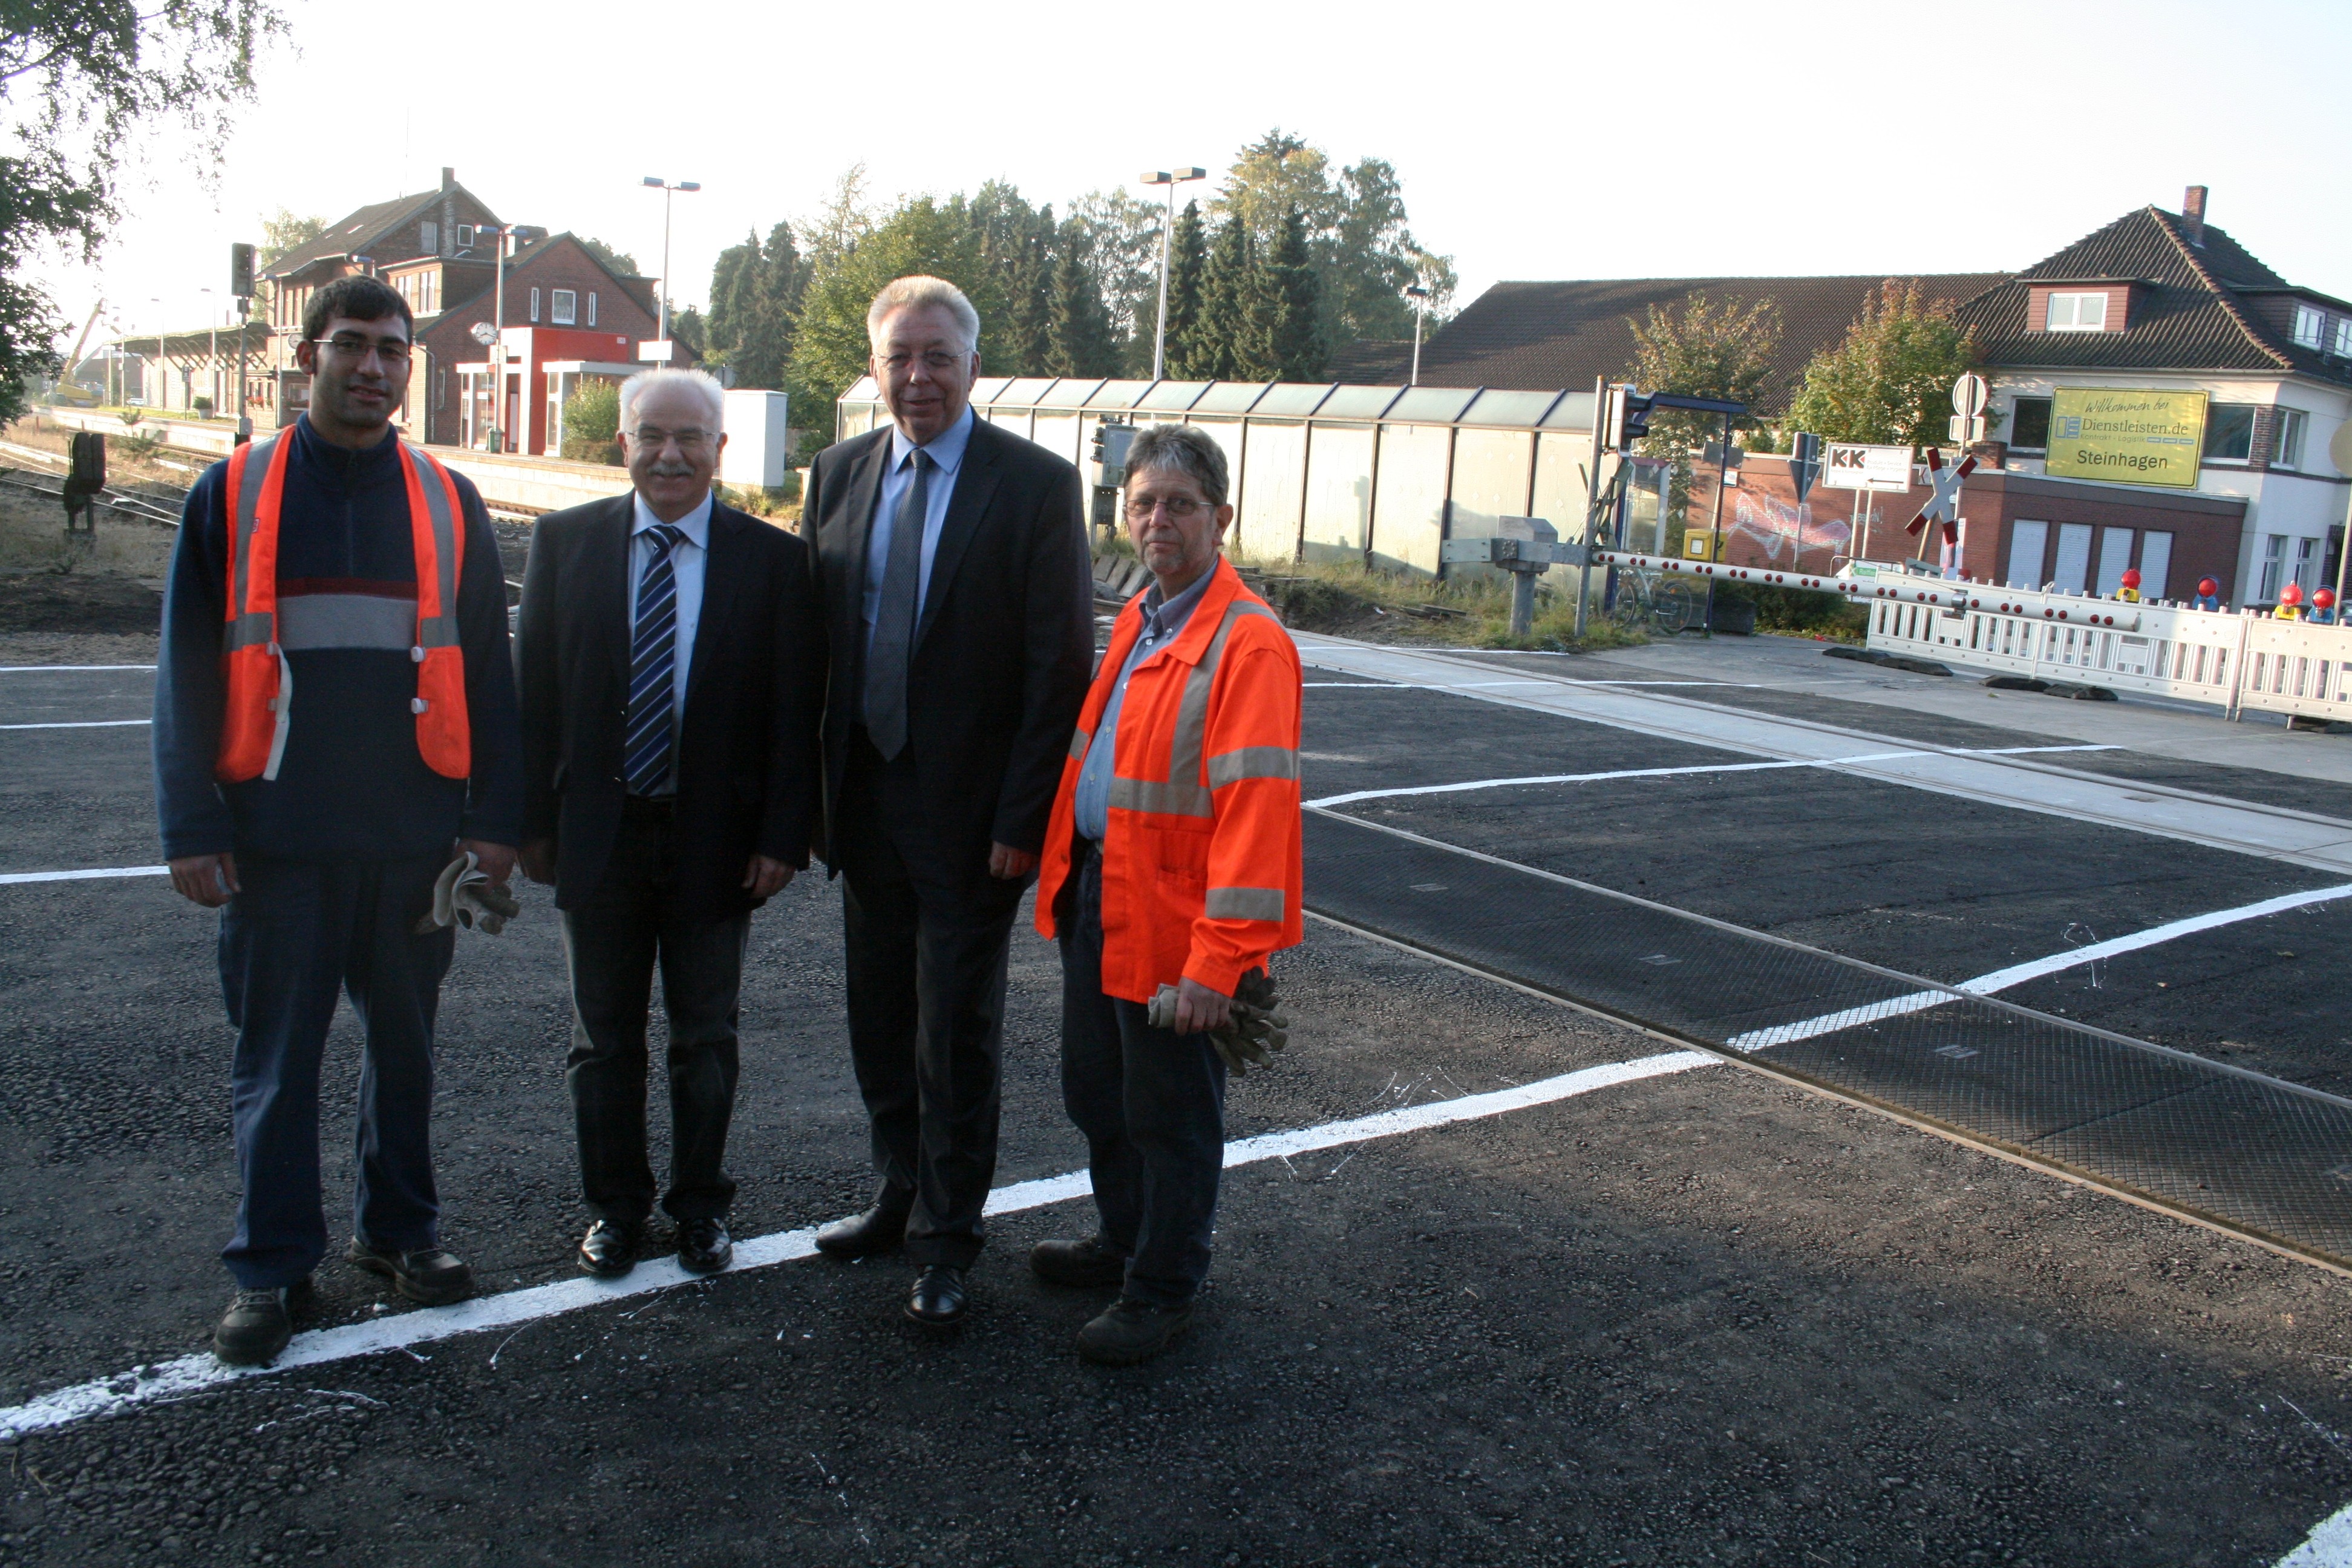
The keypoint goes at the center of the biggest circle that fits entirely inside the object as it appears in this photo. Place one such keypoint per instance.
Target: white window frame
(464, 236)
(2343, 336)
(2307, 563)
(2273, 566)
(563, 307)
(2310, 326)
(591, 307)
(2071, 319)
(2286, 440)
(534, 304)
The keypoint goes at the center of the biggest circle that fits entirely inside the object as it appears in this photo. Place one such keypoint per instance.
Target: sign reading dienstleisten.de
(2125, 436)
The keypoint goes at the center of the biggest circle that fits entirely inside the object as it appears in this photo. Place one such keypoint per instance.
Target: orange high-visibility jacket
(1200, 872)
(260, 682)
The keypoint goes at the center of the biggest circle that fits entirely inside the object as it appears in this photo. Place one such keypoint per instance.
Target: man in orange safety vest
(1173, 859)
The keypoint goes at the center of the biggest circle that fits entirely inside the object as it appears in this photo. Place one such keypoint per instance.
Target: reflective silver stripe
(311, 621)
(1078, 743)
(1245, 903)
(1252, 762)
(246, 629)
(441, 630)
(1183, 795)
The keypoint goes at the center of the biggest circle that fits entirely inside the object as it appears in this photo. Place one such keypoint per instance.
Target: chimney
(449, 181)
(2192, 209)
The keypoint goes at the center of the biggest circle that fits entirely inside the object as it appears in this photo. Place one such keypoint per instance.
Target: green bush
(1798, 612)
(593, 413)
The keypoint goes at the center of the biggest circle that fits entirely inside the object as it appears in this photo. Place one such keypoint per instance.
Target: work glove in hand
(463, 894)
(1252, 1035)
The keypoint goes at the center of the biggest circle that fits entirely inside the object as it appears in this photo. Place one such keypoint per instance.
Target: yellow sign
(2125, 436)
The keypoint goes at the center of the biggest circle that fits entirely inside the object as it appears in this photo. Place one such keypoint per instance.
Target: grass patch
(1345, 599)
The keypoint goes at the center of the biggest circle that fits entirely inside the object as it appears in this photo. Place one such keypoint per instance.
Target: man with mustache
(951, 558)
(334, 712)
(669, 658)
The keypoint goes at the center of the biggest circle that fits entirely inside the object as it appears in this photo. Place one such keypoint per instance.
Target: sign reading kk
(2125, 436)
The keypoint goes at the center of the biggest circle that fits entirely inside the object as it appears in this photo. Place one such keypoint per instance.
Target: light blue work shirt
(687, 558)
(946, 451)
(1163, 619)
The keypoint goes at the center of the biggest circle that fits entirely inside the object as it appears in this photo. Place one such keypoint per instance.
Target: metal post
(1523, 603)
(1715, 528)
(1415, 380)
(1160, 335)
(1591, 496)
(661, 327)
(499, 348)
(244, 318)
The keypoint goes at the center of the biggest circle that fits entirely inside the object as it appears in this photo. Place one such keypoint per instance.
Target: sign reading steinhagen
(2125, 436)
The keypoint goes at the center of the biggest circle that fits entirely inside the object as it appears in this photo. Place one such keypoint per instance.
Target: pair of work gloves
(1253, 1033)
(462, 895)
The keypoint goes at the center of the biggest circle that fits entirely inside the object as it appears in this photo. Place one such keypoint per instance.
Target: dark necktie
(653, 663)
(894, 619)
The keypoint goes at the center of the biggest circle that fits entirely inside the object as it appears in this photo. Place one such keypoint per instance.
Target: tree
(926, 235)
(1080, 326)
(1720, 350)
(283, 233)
(1219, 346)
(1285, 297)
(618, 261)
(78, 79)
(1888, 382)
(1188, 260)
(1120, 235)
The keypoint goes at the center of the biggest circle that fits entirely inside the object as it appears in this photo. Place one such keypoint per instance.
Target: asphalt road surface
(1693, 1316)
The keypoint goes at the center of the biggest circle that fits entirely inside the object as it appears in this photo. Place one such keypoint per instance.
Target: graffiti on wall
(1767, 531)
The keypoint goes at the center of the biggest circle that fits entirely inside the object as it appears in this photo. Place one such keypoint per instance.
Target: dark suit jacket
(746, 747)
(1003, 651)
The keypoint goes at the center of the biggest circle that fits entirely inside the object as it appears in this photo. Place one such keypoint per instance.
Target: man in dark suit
(670, 661)
(951, 560)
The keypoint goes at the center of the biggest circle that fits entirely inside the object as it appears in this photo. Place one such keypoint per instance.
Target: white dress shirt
(687, 558)
(946, 452)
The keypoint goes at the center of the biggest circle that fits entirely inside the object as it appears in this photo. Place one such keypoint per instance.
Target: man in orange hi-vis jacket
(1171, 859)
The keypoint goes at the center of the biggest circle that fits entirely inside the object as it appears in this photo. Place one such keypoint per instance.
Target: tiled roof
(1370, 361)
(1544, 336)
(2196, 310)
(356, 231)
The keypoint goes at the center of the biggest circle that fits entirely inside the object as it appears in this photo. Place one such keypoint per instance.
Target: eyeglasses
(687, 441)
(392, 352)
(939, 362)
(1183, 509)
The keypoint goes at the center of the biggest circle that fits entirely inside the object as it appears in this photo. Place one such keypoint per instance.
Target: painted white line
(2034, 969)
(1331, 800)
(8, 876)
(82, 724)
(195, 1373)
(2329, 1544)
(1477, 684)
(44, 668)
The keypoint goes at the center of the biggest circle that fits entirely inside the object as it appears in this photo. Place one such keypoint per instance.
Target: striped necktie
(653, 662)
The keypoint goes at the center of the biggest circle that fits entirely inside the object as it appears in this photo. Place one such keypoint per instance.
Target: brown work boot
(1132, 1331)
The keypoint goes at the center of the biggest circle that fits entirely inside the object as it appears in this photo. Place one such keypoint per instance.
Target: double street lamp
(1172, 179)
(661, 330)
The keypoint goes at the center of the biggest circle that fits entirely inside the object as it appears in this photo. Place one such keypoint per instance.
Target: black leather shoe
(430, 1276)
(610, 1248)
(938, 1302)
(703, 1246)
(1088, 1264)
(254, 1330)
(868, 1234)
(1132, 1331)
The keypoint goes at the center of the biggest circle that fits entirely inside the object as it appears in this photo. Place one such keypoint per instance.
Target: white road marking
(8, 876)
(2034, 969)
(1331, 800)
(2329, 1544)
(82, 724)
(2244, 828)
(44, 668)
(1473, 685)
(193, 1373)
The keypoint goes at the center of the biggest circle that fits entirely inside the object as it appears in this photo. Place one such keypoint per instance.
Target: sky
(1545, 140)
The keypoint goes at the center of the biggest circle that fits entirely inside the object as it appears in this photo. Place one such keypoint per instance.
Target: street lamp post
(212, 353)
(1420, 298)
(661, 329)
(1172, 178)
(158, 397)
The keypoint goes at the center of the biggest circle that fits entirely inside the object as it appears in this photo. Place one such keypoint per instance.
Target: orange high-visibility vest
(260, 681)
(1202, 857)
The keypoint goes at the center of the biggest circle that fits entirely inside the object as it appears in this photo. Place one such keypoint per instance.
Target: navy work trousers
(298, 935)
(1151, 1103)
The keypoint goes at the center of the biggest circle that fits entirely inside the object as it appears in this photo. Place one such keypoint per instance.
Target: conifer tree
(1188, 260)
(1219, 348)
(1079, 322)
(1288, 295)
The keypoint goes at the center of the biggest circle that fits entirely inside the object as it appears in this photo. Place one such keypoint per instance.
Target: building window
(2310, 326)
(465, 236)
(2077, 314)
(428, 239)
(2229, 432)
(534, 304)
(2288, 451)
(2344, 337)
(2273, 564)
(591, 307)
(2307, 563)
(563, 307)
(2029, 424)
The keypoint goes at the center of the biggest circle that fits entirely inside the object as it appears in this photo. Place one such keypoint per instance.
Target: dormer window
(2086, 312)
(2310, 326)
(2344, 337)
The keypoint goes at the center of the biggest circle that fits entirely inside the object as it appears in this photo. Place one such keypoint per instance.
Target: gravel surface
(1704, 1318)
